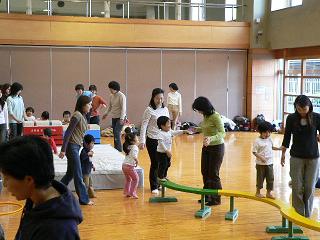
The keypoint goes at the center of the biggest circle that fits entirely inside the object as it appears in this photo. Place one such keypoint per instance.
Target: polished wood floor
(115, 217)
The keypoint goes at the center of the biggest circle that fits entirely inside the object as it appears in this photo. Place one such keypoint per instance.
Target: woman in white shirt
(149, 133)
(4, 121)
(174, 104)
(16, 110)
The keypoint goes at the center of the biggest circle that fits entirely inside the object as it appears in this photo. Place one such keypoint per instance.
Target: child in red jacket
(47, 135)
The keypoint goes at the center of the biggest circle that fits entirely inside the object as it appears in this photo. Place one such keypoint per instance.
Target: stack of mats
(36, 128)
(94, 130)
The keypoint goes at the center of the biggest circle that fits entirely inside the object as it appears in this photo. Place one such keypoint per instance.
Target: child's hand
(263, 159)
(206, 141)
(169, 154)
(62, 154)
(93, 168)
(90, 153)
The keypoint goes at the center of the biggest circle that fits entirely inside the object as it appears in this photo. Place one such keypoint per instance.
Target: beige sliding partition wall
(49, 75)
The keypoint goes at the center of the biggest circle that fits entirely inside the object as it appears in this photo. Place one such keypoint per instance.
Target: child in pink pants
(130, 147)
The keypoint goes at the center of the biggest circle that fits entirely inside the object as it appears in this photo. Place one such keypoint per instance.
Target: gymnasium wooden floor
(115, 217)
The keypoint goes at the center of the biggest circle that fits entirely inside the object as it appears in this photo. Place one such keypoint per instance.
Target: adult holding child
(72, 142)
(149, 133)
(213, 147)
(303, 125)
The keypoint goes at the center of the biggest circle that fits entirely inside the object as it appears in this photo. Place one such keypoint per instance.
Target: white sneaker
(155, 191)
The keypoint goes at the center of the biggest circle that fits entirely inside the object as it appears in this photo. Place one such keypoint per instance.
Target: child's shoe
(155, 191)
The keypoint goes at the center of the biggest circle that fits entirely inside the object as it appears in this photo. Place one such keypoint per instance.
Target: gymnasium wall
(49, 75)
(295, 27)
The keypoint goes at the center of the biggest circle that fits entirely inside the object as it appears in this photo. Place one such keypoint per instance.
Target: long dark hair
(303, 101)
(203, 105)
(155, 92)
(2, 101)
(128, 140)
(15, 88)
(81, 102)
(4, 88)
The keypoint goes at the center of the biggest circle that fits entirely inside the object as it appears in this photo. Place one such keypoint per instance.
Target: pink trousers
(131, 180)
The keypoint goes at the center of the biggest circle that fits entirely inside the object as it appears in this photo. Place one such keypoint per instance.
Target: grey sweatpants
(304, 175)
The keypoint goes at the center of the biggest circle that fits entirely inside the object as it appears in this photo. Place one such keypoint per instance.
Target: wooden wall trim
(292, 53)
(82, 31)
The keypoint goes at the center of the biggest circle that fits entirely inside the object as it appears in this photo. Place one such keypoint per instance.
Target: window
(302, 76)
(230, 11)
(281, 4)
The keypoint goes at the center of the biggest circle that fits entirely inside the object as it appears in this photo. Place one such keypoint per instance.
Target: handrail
(129, 4)
(286, 210)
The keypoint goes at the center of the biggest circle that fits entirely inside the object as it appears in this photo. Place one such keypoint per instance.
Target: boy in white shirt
(164, 145)
(262, 149)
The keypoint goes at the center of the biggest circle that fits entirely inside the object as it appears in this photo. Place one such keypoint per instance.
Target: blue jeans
(117, 127)
(74, 172)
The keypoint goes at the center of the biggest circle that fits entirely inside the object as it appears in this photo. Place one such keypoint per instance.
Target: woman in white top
(4, 121)
(16, 110)
(174, 104)
(149, 133)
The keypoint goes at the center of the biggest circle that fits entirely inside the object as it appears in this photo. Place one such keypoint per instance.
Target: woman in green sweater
(213, 147)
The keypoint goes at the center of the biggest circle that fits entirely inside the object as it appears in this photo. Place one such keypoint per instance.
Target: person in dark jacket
(303, 125)
(51, 211)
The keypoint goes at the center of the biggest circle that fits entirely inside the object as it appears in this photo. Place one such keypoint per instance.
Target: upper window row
(281, 4)
(311, 67)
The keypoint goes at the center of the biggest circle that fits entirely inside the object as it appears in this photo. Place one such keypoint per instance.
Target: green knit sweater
(212, 126)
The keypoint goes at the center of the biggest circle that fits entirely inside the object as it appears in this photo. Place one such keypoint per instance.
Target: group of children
(46, 116)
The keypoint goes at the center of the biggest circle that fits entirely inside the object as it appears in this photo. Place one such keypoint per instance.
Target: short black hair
(81, 102)
(174, 86)
(47, 132)
(30, 109)
(155, 92)
(93, 88)
(88, 138)
(45, 115)
(128, 130)
(66, 113)
(265, 127)
(28, 156)
(79, 87)
(114, 85)
(15, 88)
(203, 105)
(162, 120)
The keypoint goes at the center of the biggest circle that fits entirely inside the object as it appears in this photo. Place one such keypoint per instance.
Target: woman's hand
(283, 159)
(206, 141)
(141, 146)
(62, 154)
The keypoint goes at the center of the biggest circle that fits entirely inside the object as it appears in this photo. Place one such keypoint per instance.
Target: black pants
(15, 130)
(153, 173)
(95, 120)
(164, 163)
(211, 160)
(3, 133)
